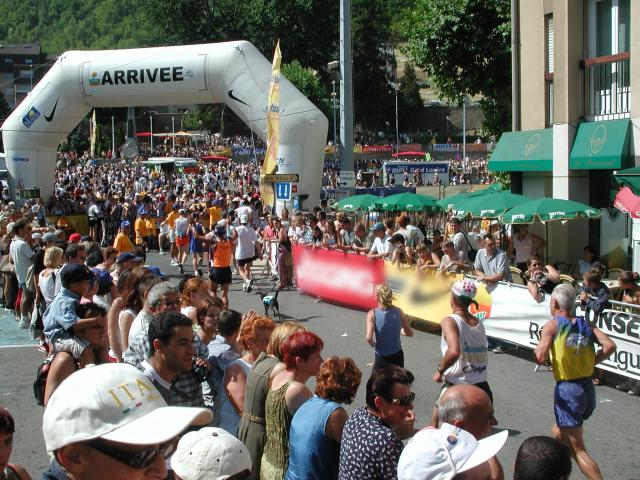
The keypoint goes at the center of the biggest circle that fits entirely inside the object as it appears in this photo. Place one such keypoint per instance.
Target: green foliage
(464, 47)
(61, 25)
(410, 103)
(309, 83)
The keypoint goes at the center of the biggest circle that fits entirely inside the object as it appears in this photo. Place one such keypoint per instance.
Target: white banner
(517, 318)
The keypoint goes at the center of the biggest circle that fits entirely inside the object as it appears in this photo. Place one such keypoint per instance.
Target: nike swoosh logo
(232, 96)
(48, 118)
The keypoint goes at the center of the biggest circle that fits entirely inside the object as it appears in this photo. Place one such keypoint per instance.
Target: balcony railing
(607, 86)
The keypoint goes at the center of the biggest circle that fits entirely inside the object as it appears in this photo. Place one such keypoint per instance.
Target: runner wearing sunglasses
(114, 424)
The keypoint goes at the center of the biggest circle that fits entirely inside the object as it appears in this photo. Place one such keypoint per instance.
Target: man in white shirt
(381, 247)
(22, 258)
(460, 242)
(245, 238)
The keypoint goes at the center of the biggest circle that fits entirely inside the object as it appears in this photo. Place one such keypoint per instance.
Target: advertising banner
(508, 311)
(445, 147)
(135, 76)
(394, 168)
(410, 147)
(375, 149)
(338, 277)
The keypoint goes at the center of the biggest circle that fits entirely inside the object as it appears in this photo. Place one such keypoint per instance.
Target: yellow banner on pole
(273, 129)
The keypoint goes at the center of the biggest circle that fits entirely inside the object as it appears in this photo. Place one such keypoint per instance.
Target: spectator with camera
(540, 280)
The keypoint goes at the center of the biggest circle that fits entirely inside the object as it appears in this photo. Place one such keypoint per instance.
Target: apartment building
(22, 65)
(579, 118)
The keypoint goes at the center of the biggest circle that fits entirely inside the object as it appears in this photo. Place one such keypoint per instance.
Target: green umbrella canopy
(629, 177)
(356, 202)
(406, 202)
(449, 203)
(489, 206)
(548, 209)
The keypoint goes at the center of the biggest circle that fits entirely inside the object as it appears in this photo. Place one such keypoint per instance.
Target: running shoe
(626, 385)
(498, 349)
(635, 391)
(161, 252)
(173, 263)
(24, 324)
(181, 268)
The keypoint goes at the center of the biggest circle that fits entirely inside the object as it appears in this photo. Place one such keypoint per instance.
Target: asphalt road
(523, 399)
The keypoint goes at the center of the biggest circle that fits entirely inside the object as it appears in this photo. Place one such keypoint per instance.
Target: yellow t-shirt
(151, 226)
(215, 215)
(140, 228)
(122, 243)
(171, 218)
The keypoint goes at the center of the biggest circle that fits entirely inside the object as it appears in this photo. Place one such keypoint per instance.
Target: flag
(273, 129)
(93, 133)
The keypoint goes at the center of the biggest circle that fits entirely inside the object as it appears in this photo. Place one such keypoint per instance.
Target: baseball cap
(49, 237)
(125, 223)
(377, 226)
(210, 454)
(441, 454)
(36, 235)
(219, 230)
(75, 238)
(115, 402)
(244, 218)
(74, 273)
(126, 256)
(104, 278)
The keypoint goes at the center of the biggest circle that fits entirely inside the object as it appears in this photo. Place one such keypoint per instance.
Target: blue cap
(125, 223)
(219, 230)
(75, 272)
(156, 271)
(126, 256)
(104, 278)
(378, 226)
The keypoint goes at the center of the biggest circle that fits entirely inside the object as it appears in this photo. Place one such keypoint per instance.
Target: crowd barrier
(508, 311)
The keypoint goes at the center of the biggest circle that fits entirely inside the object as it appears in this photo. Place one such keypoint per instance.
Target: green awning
(629, 177)
(601, 145)
(528, 151)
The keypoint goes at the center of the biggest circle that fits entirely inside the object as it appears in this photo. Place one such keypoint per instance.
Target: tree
(464, 47)
(309, 83)
(410, 102)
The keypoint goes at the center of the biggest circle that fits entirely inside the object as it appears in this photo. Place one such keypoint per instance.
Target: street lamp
(465, 99)
(396, 88)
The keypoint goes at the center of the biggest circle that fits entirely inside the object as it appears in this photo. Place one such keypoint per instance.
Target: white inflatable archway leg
(234, 73)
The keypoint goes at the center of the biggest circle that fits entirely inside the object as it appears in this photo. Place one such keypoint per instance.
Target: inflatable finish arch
(234, 73)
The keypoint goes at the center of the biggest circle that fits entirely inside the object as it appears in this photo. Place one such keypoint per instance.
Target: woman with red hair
(288, 391)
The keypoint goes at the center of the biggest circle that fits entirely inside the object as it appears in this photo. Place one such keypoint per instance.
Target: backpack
(40, 383)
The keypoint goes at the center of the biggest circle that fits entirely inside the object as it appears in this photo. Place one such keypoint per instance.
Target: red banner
(338, 277)
(376, 148)
(410, 147)
(627, 201)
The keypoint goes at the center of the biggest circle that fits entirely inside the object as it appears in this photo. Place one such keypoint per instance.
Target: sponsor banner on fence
(338, 277)
(508, 311)
(445, 147)
(393, 168)
(410, 147)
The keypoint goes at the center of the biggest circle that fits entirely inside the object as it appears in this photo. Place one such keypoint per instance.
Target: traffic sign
(280, 177)
(283, 191)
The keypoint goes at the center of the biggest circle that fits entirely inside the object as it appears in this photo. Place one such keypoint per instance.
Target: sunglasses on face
(139, 459)
(404, 401)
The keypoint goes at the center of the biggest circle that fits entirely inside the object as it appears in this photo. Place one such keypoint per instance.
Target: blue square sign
(283, 191)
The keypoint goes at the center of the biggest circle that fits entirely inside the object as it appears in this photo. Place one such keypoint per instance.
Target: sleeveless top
(251, 427)
(312, 454)
(572, 351)
(196, 245)
(229, 418)
(222, 254)
(523, 248)
(275, 458)
(471, 366)
(387, 328)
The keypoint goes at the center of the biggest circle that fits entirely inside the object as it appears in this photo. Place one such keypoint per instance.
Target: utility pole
(347, 174)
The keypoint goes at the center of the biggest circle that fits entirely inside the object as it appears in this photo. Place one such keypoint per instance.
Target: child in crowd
(62, 325)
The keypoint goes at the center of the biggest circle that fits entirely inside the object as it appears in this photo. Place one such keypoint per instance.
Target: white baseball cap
(244, 218)
(441, 454)
(210, 454)
(116, 402)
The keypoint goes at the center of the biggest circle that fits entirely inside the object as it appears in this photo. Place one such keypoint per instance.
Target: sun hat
(441, 454)
(115, 402)
(210, 454)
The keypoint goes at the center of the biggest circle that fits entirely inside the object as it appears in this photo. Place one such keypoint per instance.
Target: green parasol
(449, 203)
(488, 206)
(356, 202)
(406, 202)
(548, 209)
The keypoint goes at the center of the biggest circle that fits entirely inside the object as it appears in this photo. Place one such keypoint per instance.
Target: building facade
(22, 65)
(579, 115)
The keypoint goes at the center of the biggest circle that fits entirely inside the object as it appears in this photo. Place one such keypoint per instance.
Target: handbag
(5, 264)
(473, 253)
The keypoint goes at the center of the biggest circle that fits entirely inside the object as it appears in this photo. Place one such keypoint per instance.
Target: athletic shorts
(574, 401)
(244, 261)
(221, 276)
(182, 241)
